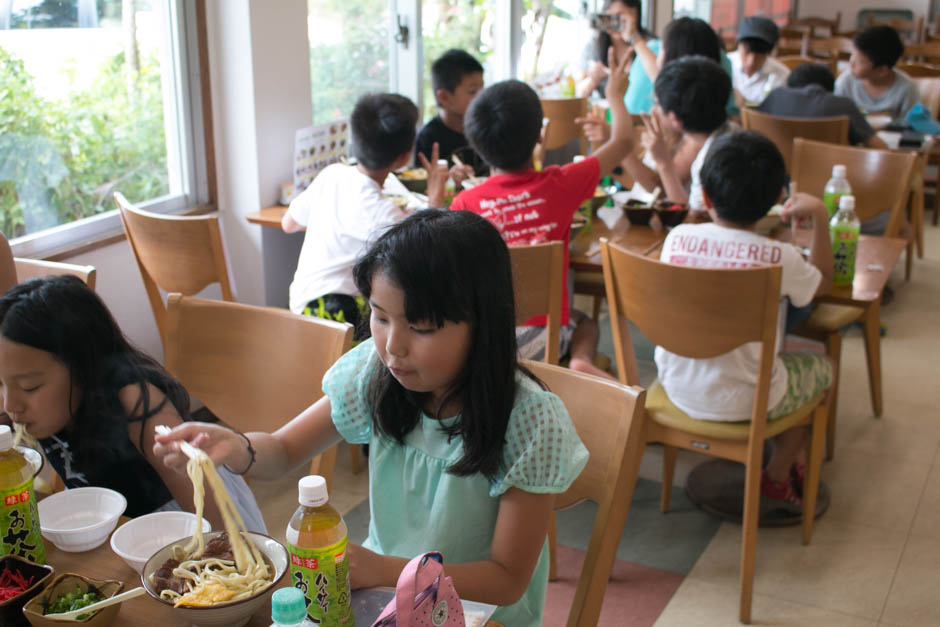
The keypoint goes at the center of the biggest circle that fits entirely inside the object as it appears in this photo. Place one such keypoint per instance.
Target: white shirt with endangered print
(343, 210)
(722, 388)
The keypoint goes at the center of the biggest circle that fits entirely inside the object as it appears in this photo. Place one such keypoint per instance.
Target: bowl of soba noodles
(219, 583)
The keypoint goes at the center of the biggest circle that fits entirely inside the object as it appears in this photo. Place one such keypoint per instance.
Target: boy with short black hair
(345, 206)
(754, 72)
(504, 124)
(456, 78)
(872, 82)
(743, 177)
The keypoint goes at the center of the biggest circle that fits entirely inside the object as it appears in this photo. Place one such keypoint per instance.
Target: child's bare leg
(584, 346)
(788, 448)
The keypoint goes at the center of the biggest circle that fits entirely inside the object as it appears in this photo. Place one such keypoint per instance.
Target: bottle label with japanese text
(323, 576)
(19, 523)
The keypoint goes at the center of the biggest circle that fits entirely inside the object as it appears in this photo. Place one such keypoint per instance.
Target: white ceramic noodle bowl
(234, 613)
(136, 540)
(80, 519)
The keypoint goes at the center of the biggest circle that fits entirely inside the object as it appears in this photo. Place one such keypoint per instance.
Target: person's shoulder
(532, 399)
(431, 127)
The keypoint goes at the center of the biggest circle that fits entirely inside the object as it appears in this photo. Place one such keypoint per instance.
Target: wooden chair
(928, 52)
(880, 180)
(782, 130)
(919, 70)
(538, 290)
(813, 24)
(609, 421)
(793, 61)
(793, 41)
(255, 368)
(685, 310)
(911, 31)
(561, 115)
(31, 268)
(181, 254)
(830, 49)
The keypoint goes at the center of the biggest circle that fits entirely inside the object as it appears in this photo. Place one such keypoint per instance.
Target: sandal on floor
(782, 491)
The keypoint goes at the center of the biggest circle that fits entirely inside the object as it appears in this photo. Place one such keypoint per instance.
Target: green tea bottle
(316, 540)
(844, 229)
(19, 516)
(837, 187)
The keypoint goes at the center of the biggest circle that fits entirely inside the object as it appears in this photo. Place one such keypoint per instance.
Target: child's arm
(621, 141)
(820, 251)
(521, 529)
(307, 435)
(289, 225)
(669, 173)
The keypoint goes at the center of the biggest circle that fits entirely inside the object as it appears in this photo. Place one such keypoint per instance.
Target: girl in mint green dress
(466, 448)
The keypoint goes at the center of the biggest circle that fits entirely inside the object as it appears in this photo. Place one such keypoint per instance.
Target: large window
(348, 53)
(94, 100)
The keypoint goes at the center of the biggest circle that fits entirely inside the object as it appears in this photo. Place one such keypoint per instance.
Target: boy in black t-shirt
(456, 77)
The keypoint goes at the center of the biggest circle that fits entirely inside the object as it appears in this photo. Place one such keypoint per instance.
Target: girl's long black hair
(63, 316)
(452, 265)
(602, 41)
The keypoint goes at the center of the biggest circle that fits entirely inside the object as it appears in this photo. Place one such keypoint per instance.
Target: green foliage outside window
(61, 159)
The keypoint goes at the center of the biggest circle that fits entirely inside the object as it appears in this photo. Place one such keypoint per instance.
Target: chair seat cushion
(661, 411)
(829, 318)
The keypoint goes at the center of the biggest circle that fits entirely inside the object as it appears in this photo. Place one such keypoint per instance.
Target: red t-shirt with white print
(532, 207)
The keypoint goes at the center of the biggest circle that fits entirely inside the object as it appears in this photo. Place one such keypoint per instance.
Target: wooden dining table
(143, 611)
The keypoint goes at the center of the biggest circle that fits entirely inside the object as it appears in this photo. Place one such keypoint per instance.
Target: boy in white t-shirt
(754, 72)
(345, 208)
(742, 178)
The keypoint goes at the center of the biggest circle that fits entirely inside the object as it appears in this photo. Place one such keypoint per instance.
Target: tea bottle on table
(289, 609)
(316, 540)
(19, 516)
(837, 187)
(844, 229)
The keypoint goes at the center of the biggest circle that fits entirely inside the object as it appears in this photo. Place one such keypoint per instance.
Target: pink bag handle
(416, 576)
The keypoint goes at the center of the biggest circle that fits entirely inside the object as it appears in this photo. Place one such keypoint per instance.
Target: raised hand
(437, 176)
(654, 139)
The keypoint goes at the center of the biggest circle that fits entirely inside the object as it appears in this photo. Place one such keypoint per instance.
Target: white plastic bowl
(81, 518)
(136, 540)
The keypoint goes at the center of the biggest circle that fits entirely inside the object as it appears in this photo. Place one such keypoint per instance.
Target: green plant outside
(61, 159)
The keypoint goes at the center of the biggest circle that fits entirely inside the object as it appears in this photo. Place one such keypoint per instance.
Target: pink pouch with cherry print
(424, 597)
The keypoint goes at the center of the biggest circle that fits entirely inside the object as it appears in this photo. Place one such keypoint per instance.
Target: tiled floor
(874, 554)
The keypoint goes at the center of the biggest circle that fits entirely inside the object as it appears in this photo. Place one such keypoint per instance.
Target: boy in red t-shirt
(503, 125)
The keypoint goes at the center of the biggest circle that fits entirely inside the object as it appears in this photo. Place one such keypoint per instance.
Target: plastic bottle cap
(6, 438)
(838, 171)
(311, 491)
(847, 202)
(288, 606)
(578, 158)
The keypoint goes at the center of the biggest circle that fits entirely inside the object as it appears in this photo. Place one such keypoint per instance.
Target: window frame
(187, 39)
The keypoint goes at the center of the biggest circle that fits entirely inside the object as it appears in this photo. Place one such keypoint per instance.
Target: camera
(606, 21)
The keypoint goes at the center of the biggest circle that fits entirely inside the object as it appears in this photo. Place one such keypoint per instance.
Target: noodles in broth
(214, 580)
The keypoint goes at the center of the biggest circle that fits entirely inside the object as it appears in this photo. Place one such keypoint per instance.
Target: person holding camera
(619, 27)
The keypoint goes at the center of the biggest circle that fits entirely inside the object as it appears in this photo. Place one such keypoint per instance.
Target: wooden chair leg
(872, 324)
(909, 260)
(834, 352)
(811, 482)
(669, 471)
(354, 455)
(917, 217)
(749, 532)
(324, 464)
(552, 549)
(596, 312)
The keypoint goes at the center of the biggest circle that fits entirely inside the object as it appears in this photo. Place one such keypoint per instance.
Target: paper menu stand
(316, 147)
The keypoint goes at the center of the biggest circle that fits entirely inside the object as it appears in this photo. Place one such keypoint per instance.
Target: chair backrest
(919, 70)
(928, 52)
(911, 31)
(175, 253)
(782, 130)
(562, 128)
(796, 60)
(880, 179)
(814, 24)
(608, 419)
(537, 288)
(929, 88)
(793, 41)
(253, 367)
(31, 268)
(687, 312)
(830, 48)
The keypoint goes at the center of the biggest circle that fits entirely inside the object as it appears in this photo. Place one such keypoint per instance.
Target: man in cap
(754, 72)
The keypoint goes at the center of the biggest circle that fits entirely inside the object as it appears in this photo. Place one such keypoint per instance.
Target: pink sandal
(779, 490)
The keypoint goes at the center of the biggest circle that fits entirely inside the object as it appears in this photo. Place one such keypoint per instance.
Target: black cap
(758, 28)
